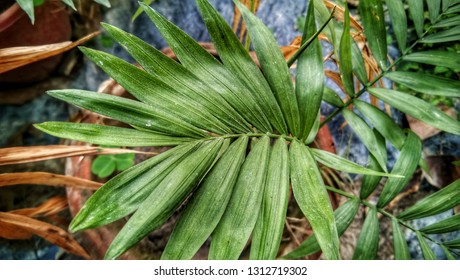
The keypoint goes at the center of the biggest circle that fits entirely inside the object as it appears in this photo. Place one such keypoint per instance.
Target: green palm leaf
(401, 250)
(235, 57)
(268, 231)
(184, 82)
(374, 28)
(210, 70)
(416, 12)
(346, 67)
(449, 255)
(366, 135)
(28, 7)
(418, 109)
(106, 3)
(154, 91)
(368, 241)
(207, 205)
(405, 165)
(166, 197)
(449, 59)
(434, 7)
(336, 162)
(274, 67)
(239, 219)
(344, 216)
(358, 64)
(129, 111)
(310, 77)
(399, 21)
(311, 195)
(448, 22)
(435, 203)
(110, 135)
(424, 83)
(332, 97)
(68, 3)
(370, 183)
(428, 254)
(448, 225)
(453, 244)
(209, 108)
(123, 194)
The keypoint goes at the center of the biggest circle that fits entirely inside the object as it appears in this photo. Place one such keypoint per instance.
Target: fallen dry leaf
(13, 232)
(442, 171)
(17, 226)
(237, 16)
(50, 207)
(15, 57)
(339, 15)
(289, 51)
(335, 77)
(44, 178)
(18, 155)
(424, 130)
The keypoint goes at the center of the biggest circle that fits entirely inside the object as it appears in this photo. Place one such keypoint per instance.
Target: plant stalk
(305, 45)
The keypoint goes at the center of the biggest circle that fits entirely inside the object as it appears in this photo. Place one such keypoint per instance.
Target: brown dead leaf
(52, 233)
(18, 155)
(323, 37)
(424, 130)
(294, 46)
(237, 19)
(50, 207)
(44, 178)
(339, 15)
(288, 51)
(13, 232)
(335, 77)
(374, 101)
(442, 171)
(15, 57)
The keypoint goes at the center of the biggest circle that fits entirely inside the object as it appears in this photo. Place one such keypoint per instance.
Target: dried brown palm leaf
(251, 4)
(13, 226)
(288, 51)
(335, 77)
(44, 178)
(339, 15)
(52, 206)
(18, 155)
(15, 57)
(237, 17)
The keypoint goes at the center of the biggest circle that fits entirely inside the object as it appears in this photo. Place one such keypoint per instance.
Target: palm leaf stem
(385, 213)
(307, 43)
(376, 79)
(271, 135)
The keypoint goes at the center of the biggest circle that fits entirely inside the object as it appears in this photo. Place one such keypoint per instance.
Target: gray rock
(15, 121)
(414, 247)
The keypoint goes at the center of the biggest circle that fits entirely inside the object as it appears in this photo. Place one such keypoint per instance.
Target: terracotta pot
(97, 241)
(52, 25)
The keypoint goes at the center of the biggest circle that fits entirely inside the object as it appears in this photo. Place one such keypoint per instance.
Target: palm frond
(211, 109)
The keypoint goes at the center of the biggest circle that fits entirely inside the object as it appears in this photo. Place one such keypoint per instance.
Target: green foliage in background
(241, 135)
(105, 165)
(29, 6)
